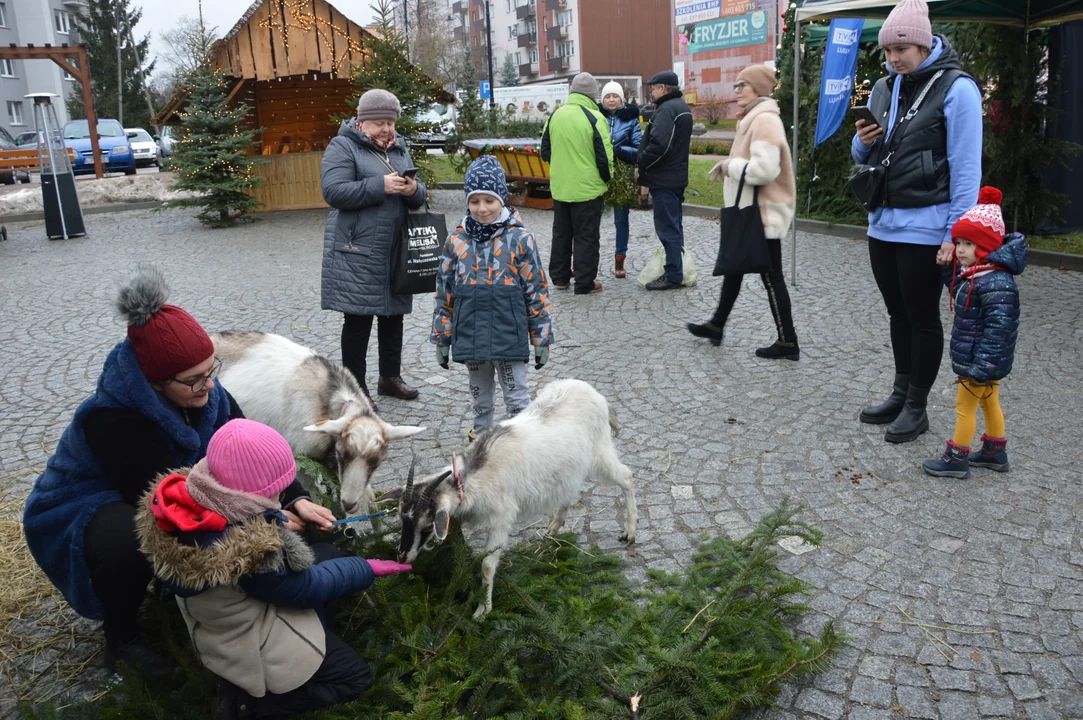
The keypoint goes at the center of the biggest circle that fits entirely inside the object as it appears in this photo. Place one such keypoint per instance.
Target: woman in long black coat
(362, 181)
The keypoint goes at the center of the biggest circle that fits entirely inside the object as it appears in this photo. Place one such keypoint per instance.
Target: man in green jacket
(575, 143)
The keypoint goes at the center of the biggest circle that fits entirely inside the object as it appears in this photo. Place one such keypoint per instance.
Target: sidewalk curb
(96, 210)
(1042, 258)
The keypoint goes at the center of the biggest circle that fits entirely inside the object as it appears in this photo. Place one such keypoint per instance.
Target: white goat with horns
(316, 404)
(535, 463)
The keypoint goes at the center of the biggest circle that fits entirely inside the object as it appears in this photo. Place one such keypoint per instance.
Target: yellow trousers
(971, 395)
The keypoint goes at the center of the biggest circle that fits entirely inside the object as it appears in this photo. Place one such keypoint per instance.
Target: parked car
(8, 177)
(435, 125)
(145, 149)
(165, 140)
(117, 154)
(28, 138)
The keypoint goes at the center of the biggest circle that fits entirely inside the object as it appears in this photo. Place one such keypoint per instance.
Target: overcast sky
(161, 15)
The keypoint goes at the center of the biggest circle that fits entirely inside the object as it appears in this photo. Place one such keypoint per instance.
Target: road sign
(483, 89)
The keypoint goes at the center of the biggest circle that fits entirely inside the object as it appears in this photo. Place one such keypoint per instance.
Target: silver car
(144, 148)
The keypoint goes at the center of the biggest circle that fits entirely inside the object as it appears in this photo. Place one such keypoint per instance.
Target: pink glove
(382, 568)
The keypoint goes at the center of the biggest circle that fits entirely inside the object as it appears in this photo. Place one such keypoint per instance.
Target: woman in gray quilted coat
(361, 178)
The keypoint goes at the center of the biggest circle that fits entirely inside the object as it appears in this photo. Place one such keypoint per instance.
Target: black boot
(780, 350)
(707, 330)
(888, 410)
(913, 420)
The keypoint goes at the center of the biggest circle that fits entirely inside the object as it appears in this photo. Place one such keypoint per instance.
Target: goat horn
(410, 477)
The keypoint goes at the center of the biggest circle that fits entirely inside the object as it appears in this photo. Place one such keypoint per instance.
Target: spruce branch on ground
(569, 637)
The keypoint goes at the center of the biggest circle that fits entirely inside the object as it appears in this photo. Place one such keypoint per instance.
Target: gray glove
(443, 352)
(541, 356)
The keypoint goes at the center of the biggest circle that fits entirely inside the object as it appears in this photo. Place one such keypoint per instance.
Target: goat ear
(441, 525)
(392, 494)
(331, 427)
(400, 432)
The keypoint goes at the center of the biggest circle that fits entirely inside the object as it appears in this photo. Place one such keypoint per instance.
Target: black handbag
(869, 182)
(743, 246)
(415, 254)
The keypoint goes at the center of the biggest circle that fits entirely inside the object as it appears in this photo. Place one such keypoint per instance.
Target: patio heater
(63, 216)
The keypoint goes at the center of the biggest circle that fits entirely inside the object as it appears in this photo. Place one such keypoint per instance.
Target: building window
(534, 55)
(566, 49)
(15, 112)
(518, 58)
(62, 20)
(3, 15)
(546, 52)
(564, 18)
(513, 32)
(7, 68)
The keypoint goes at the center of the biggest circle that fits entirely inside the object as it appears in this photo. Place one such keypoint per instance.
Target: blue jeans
(669, 225)
(620, 222)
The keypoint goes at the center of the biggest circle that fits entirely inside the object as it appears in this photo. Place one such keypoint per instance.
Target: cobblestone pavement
(715, 436)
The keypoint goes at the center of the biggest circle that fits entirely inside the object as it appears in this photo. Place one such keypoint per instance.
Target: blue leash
(356, 518)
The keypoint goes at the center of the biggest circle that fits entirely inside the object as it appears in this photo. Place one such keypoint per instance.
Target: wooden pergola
(80, 71)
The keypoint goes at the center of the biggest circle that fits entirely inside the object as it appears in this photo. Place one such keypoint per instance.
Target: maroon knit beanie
(167, 340)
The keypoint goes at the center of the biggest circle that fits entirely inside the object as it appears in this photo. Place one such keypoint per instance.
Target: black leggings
(910, 283)
(777, 295)
(119, 572)
(356, 330)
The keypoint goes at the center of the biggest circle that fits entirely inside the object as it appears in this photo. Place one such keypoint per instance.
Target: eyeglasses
(200, 382)
(738, 87)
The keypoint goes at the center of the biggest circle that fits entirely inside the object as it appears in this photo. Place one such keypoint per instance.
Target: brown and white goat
(316, 404)
(536, 463)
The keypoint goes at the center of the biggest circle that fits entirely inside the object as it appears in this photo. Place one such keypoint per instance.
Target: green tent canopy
(816, 35)
(1023, 13)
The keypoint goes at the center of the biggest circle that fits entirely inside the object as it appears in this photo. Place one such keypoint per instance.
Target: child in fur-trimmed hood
(256, 598)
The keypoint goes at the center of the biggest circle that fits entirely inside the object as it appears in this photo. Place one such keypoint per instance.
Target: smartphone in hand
(862, 112)
(409, 173)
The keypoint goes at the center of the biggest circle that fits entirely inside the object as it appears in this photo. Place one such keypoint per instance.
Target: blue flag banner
(837, 78)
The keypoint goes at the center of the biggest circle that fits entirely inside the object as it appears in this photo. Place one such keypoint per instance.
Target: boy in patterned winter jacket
(986, 302)
(492, 297)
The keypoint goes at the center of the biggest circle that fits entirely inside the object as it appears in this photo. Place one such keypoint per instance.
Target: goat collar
(455, 474)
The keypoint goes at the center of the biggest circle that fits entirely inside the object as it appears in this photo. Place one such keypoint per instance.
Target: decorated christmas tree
(212, 159)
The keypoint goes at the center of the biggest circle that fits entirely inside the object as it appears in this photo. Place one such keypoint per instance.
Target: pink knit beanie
(251, 457)
(908, 24)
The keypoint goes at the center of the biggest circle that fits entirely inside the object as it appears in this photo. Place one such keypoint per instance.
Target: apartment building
(553, 40)
(37, 22)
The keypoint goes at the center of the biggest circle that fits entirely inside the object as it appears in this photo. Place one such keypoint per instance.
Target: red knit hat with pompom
(166, 339)
(982, 224)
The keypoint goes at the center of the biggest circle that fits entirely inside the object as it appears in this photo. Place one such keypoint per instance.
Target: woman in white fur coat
(761, 152)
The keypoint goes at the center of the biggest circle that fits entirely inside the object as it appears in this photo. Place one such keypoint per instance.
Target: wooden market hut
(290, 62)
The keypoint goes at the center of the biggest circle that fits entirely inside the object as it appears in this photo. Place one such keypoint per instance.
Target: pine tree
(212, 158)
(509, 74)
(98, 28)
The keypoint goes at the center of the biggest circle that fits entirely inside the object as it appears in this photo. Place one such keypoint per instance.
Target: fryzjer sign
(747, 29)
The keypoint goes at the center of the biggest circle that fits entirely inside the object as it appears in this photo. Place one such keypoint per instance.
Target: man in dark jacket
(663, 167)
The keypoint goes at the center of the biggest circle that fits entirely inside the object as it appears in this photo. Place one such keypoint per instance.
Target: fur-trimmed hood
(197, 561)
